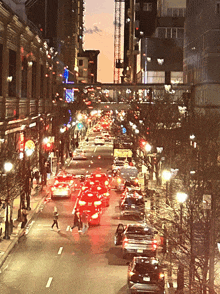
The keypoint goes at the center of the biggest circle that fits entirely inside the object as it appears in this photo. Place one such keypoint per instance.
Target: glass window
(181, 12)
(161, 33)
(156, 77)
(24, 77)
(175, 12)
(80, 62)
(12, 73)
(176, 77)
(180, 33)
(34, 77)
(137, 6)
(174, 33)
(169, 11)
(147, 7)
(168, 33)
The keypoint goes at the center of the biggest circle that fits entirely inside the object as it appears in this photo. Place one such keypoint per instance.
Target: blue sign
(124, 130)
(66, 74)
(79, 126)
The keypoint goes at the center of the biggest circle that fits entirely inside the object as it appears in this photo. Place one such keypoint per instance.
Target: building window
(174, 33)
(137, 6)
(24, 78)
(80, 72)
(176, 77)
(34, 77)
(147, 7)
(161, 33)
(156, 77)
(168, 33)
(41, 81)
(180, 33)
(169, 11)
(80, 62)
(12, 74)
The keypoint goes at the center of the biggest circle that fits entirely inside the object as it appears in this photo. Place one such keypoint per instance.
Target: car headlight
(94, 216)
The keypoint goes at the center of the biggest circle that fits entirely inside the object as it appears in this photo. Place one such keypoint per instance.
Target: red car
(98, 178)
(102, 191)
(92, 203)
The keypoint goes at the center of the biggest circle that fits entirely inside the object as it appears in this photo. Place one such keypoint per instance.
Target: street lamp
(28, 152)
(7, 167)
(147, 147)
(166, 176)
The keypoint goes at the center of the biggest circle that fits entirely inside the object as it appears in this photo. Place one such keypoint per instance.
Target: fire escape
(118, 50)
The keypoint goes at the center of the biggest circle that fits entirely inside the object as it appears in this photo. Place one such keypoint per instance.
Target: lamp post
(166, 176)
(181, 198)
(28, 153)
(7, 167)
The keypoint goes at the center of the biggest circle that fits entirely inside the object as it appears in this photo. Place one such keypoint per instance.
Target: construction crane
(118, 50)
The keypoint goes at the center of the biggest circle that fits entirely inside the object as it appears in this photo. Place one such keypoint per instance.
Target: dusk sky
(99, 34)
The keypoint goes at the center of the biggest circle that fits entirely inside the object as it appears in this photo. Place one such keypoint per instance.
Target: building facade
(202, 52)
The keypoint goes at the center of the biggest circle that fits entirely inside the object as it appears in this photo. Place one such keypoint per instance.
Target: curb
(21, 231)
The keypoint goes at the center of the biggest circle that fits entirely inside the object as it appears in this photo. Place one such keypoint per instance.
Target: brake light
(154, 244)
(107, 194)
(99, 188)
(106, 183)
(94, 216)
(98, 176)
(92, 183)
(81, 203)
(125, 242)
(161, 276)
(84, 188)
(56, 182)
(96, 203)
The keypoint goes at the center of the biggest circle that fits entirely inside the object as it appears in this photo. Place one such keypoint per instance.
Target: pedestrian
(24, 214)
(55, 220)
(85, 222)
(77, 221)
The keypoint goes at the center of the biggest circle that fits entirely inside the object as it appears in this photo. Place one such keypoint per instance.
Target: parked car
(132, 205)
(61, 190)
(145, 275)
(99, 140)
(136, 239)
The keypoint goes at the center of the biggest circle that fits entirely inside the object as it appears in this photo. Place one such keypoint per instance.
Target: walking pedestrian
(24, 214)
(55, 220)
(85, 222)
(77, 221)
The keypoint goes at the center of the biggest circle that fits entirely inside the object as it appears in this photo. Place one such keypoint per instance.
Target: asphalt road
(48, 261)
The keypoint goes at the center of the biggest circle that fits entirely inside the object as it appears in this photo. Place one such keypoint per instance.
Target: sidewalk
(36, 202)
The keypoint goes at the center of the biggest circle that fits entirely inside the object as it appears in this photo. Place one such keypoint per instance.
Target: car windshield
(132, 200)
(139, 230)
(146, 267)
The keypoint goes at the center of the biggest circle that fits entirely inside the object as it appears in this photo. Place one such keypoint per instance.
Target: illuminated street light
(147, 147)
(7, 167)
(181, 197)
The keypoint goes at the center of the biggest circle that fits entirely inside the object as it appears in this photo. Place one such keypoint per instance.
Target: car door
(119, 234)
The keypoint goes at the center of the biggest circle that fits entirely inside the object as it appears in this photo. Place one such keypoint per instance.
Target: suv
(99, 140)
(145, 275)
(132, 205)
(136, 239)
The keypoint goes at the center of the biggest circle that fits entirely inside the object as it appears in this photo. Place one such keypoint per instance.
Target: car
(137, 239)
(132, 205)
(61, 190)
(99, 140)
(145, 275)
(79, 154)
(92, 203)
(98, 179)
(102, 191)
(64, 177)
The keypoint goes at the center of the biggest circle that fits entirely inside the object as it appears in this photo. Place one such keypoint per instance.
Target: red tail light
(125, 242)
(106, 183)
(96, 203)
(81, 203)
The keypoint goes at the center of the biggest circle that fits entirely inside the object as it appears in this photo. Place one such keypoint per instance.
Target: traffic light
(143, 143)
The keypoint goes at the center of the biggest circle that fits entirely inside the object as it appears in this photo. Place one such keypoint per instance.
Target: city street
(48, 261)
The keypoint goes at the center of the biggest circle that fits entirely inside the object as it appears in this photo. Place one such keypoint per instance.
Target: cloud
(94, 30)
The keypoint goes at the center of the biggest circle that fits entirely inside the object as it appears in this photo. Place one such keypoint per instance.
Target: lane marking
(49, 282)
(95, 149)
(60, 250)
(68, 228)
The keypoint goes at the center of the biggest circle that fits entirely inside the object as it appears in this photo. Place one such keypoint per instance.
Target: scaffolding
(118, 35)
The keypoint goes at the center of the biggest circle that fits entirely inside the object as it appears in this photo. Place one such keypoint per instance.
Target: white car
(99, 140)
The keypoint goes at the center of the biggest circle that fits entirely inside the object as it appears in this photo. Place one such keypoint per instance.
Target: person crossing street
(55, 220)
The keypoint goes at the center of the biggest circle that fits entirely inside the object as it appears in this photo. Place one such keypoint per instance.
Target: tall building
(202, 51)
(61, 25)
